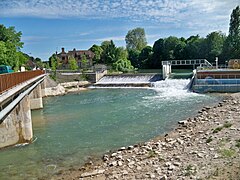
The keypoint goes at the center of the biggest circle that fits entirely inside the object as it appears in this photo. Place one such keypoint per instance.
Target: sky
(49, 25)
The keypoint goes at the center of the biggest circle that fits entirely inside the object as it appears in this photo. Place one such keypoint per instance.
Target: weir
(128, 80)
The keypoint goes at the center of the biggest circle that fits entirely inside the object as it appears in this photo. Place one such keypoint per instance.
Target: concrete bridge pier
(36, 98)
(17, 126)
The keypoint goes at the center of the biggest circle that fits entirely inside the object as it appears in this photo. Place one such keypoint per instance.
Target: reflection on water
(74, 127)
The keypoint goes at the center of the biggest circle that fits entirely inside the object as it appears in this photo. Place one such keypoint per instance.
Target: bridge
(19, 94)
(167, 65)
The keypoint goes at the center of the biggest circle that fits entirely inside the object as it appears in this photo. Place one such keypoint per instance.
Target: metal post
(216, 62)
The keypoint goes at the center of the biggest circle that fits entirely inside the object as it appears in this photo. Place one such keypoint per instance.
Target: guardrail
(7, 81)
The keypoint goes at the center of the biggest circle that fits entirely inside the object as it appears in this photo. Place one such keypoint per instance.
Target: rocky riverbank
(204, 147)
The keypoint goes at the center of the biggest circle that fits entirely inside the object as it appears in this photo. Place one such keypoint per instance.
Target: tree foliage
(10, 45)
(232, 43)
(136, 39)
(73, 63)
(97, 50)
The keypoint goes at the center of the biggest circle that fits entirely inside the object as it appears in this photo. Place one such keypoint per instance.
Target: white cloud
(193, 14)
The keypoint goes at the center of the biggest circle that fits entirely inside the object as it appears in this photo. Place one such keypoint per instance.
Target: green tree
(158, 51)
(72, 63)
(10, 44)
(136, 39)
(232, 45)
(97, 50)
(145, 57)
(194, 46)
(53, 62)
(213, 45)
(133, 56)
(109, 52)
(123, 65)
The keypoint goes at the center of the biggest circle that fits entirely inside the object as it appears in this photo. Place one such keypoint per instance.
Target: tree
(97, 50)
(123, 65)
(136, 39)
(194, 47)
(158, 51)
(133, 56)
(145, 57)
(109, 52)
(213, 45)
(232, 45)
(10, 44)
(53, 62)
(73, 63)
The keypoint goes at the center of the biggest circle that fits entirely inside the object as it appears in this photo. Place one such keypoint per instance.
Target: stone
(119, 163)
(114, 154)
(164, 177)
(114, 163)
(93, 173)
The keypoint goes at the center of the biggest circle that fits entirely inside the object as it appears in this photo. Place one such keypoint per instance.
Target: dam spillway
(128, 80)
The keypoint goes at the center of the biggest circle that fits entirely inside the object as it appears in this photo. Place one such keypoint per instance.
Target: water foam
(125, 79)
(169, 88)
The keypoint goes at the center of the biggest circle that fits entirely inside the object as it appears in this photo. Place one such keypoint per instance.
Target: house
(78, 55)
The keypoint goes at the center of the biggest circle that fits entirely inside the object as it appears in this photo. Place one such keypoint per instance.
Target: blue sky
(48, 25)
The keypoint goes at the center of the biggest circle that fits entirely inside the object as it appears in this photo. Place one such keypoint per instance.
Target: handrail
(7, 81)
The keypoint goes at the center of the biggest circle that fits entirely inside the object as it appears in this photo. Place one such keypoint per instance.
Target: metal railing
(8, 81)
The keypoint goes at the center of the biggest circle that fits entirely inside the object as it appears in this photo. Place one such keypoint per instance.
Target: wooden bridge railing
(10, 80)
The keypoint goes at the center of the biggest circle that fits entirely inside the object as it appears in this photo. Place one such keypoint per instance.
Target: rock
(93, 173)
(200, 155)
(114, 163)
(130, 147)
(114, 154)
(183, 122)
(124, 172)
(171, 167)
(177, 164)
(122, 148)
(139, 168)
(164, 177)
(119, 163)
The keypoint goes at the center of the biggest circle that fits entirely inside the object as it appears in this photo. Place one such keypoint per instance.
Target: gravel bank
(204, 147)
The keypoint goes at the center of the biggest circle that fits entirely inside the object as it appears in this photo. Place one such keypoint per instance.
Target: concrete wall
(17, 126)
(70, 77)
(36, 98)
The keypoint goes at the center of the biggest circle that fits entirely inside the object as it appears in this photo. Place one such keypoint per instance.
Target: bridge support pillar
(43, 87)
(36, 98)
(17, 126)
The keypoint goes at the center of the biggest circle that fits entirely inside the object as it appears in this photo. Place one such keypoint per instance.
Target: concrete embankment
(203, 147)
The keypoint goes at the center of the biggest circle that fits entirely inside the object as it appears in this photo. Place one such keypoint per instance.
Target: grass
(189, 170)
(151, 154)
(227, 152)
(238, 143)
(209, 139)
(218, 129)
(226, 125)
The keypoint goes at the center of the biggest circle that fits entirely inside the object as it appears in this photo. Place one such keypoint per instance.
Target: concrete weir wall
(16, 126)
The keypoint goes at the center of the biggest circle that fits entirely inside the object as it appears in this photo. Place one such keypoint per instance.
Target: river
(72, 128)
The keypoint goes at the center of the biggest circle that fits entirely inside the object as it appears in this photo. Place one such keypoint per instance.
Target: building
(78, 55)
(234, 64)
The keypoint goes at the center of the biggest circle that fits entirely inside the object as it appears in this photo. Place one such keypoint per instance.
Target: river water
(74, 127)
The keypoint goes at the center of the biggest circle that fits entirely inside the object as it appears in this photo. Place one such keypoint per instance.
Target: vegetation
(10, 45)
(227, 152)
(226, 125)
(209, 139)
(73, 64)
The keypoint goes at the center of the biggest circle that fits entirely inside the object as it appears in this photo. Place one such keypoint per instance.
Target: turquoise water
(74, 127)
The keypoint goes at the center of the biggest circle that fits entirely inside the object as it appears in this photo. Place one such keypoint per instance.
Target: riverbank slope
(204, 147)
